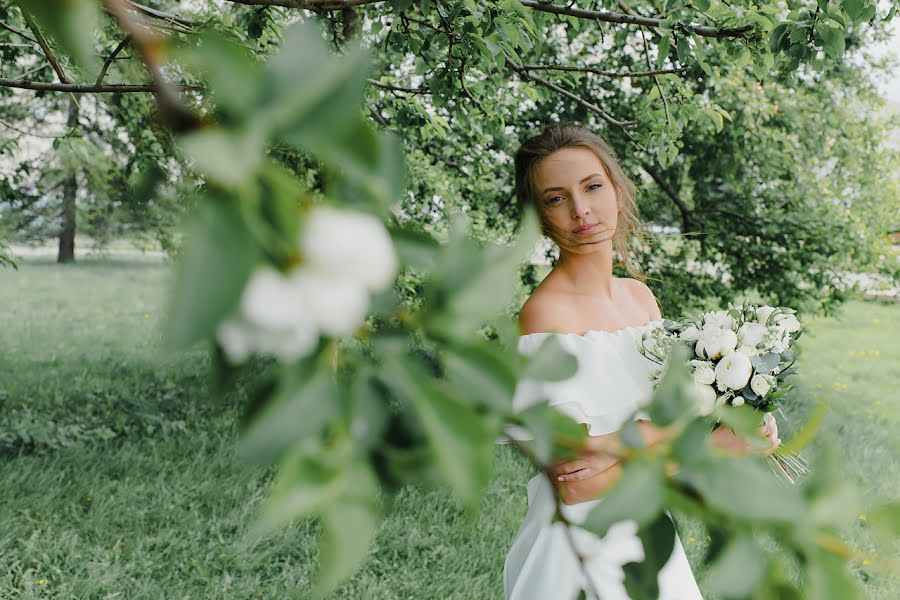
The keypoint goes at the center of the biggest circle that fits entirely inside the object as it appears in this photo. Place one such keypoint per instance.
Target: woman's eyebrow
(551, 189)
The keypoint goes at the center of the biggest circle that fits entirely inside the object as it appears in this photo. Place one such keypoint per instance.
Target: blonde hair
(570, 135)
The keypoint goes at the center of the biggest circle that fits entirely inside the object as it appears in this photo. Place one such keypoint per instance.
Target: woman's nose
(579, 207)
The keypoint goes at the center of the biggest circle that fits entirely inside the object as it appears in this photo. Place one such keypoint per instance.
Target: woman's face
(577, 199)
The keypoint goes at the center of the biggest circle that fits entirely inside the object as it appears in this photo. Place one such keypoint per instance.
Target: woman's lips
(587, 230)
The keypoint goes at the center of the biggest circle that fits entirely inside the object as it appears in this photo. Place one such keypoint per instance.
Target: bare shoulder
(643, 295)
(546, 310)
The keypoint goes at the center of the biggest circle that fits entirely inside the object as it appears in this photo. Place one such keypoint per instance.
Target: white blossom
(349, 244)
(738, 401)
(337, 304)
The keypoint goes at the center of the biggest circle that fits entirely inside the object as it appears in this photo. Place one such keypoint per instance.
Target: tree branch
(88, 88)
(612, 17)
(45, 47)
(571, 68)
(18, 32)
(592, 107)
(397, 88)
(111, 58)
(309, 4)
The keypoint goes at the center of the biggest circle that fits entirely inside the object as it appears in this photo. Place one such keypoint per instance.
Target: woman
(587, 206)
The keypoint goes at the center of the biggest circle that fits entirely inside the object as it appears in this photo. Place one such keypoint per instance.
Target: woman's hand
(587, 465)
(589, 488)
(726, 440)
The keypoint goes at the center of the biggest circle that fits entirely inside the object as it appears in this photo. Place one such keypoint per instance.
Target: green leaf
(218, 257)
(415, 247)
(234, 77)
(483, 372)
(228, 156)
(777, 37)
(739, 569)
(461, 439)
(551, 362)
(683, 49)
(854, 9)
(637, 495)
(71, 24)
(735, 486)
(304, 402)
(556, 435)
(673, 398)
(663, 49)
(642, 578)
(348, 530)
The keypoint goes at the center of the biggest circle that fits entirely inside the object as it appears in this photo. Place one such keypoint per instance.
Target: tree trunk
(70, 191)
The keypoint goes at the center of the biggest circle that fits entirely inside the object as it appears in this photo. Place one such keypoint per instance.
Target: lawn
(118, 477)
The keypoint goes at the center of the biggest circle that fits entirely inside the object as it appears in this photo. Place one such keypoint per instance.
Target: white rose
(690, 334)
(704, 375)
(761, 384)
(717, 342)
(763, 312)
(734, 370)
(338, 305)
(706, 398)
(738, 401)
(351, 245)
(270, 301)
(751, 334)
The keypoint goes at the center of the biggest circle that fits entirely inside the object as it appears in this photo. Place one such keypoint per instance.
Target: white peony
(716, 342)
(704, 374)
(761, 384)
(751, 334)
(351, 245)
(690, 334)
(734, 370)
(705, 397)
(338, 305)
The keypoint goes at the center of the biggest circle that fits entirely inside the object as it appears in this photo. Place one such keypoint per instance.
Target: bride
(587, 207)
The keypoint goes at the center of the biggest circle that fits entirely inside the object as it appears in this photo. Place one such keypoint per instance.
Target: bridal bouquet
(742, 356)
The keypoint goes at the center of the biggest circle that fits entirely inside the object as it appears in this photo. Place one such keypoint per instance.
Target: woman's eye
(594, 186)
(553, 199)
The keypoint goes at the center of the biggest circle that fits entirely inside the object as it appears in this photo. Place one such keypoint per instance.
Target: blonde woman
(587, 206)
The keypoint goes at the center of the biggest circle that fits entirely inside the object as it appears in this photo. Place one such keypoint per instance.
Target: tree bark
(70, 191)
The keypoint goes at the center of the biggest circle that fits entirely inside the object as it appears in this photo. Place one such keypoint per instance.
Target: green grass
(118, 477)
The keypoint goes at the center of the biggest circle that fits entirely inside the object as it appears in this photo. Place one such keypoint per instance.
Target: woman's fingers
(577, 475)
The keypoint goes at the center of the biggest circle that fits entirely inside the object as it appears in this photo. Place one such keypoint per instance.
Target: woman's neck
(589, 274)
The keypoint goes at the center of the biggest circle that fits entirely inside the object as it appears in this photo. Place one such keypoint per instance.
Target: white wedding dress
(611, 383)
